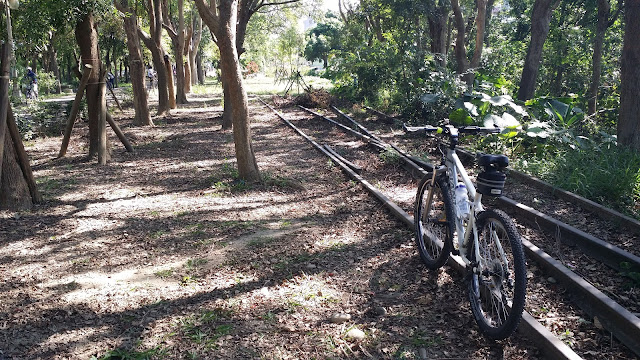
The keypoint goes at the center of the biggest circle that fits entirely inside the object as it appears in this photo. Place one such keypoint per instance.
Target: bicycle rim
(433, 222)
(498, 282)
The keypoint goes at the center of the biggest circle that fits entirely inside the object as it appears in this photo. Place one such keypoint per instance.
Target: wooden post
(23, 159)
(4, 99)
(119, 132)
(74, 109)
(116, 99)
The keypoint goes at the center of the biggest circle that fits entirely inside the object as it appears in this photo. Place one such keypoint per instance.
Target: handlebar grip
(478, 129)
(421, 128)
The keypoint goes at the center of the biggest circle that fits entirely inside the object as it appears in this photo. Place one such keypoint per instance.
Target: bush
(47, 83)
(608, 175)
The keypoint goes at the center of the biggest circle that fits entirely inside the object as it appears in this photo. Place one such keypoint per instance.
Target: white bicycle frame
(453, 163)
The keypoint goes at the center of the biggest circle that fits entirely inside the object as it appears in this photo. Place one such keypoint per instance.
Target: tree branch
(615, 16)
(172, 33)
(207, 13)
(276, 3)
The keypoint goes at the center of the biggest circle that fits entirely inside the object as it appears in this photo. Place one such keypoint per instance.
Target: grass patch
(119, 354)
(163, 274)
(609, 176)
(390, 156)
(203, 330)
(194, 264)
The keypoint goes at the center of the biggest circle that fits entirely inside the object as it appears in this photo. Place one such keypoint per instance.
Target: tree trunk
(14, 191)
(177, 39)
(540, 20)
(223, 25)
(227, 115)
(169, 70)
(195, 48)
(54, 66)
(629, 117)
(604, 8)
(87, 38)
(187, 64)
(247, 166)
(466, 68)
(153, 42)
(438, 31)
(140, 96)
(200, 70)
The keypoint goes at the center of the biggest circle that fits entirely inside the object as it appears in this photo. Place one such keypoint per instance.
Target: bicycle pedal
(455, 252)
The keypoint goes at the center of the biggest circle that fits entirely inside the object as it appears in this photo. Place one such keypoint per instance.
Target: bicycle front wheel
(434, 221)
(498, 279)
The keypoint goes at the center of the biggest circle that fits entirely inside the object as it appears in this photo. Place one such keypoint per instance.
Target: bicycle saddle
(500, 161)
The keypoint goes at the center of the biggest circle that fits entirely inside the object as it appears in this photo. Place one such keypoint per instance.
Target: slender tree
(153, 42)
(540, 20)
(221, 18)
(177, 34)
(629, 117)
(136, 64)
(465, 67)
(87, 38)
(605, 20)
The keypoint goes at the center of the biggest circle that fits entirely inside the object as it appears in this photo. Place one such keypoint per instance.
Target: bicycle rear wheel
(498, 279)
(434, 221)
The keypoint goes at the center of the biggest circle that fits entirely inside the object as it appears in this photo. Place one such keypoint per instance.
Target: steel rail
(597, 209)
(549, 344)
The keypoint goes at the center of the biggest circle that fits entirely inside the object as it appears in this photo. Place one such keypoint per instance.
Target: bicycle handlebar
(452, 130)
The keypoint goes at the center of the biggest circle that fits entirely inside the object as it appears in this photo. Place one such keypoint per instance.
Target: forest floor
(164, 253)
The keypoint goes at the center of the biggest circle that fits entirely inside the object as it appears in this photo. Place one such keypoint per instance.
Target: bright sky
(331, 5)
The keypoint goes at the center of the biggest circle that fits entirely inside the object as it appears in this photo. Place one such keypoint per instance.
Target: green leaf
(559, 108)
(460, 117)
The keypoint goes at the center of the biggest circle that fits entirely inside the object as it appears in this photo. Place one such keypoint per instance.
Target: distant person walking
(151, 75)
(32, 84)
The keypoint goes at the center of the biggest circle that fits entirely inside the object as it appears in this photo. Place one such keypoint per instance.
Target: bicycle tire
(434, 226)
(497, 292)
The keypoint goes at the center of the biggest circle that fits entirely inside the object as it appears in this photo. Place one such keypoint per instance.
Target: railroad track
(548, 244)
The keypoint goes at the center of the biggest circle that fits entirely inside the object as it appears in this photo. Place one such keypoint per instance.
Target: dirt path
(165, 254)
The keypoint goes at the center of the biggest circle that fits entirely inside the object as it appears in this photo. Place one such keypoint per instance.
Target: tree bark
(438, 30)
(540, 21)
(188, 69)
(153, 42)
(53, 60)
(629, 116)
(195, 47)
(223, 24)
(140, 96)
(169, 70)
(227, 116)
(14, 192)
(465, 68)
(87, 38)
(199, 67)
(604, 10)
(177, 39)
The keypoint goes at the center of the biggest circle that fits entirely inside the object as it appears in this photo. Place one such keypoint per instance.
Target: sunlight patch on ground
(307, 290)
(87, 285)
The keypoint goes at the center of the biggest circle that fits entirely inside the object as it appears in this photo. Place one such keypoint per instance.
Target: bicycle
(31, 91)
(487, 240)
